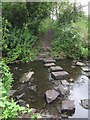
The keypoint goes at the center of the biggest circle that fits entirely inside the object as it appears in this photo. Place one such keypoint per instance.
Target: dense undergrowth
(71, 34)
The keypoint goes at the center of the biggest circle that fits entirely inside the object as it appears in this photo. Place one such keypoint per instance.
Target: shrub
(69, 39)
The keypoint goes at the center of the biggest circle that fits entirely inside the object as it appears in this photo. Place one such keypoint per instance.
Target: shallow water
(77, 90)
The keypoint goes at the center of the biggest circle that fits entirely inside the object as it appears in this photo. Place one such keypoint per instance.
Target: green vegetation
(71, 33)
(23, 24)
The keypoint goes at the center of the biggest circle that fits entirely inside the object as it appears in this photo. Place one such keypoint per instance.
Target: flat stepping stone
(55, 68)
(51, 95)
(68, 106)
(86, 69)
(87, 74)
(64, 82)
(49, 64)
(61, 90)
(85, 103)
(60, 75)
(49, 61)
(80, 64)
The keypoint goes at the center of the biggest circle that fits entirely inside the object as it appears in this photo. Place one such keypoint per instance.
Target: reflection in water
(77, 90)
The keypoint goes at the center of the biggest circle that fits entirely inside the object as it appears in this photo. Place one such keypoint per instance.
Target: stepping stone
(85, 103)
(68, 106)
(80, 64)
(87, 74)
(61, 90)
(60, 75)
(49, 61)
(86, 69)
(49, 64)
(51, 95)
(64, 82)
(55, 69)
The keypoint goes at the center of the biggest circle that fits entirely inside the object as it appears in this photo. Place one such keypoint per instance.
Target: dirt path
(45, 47)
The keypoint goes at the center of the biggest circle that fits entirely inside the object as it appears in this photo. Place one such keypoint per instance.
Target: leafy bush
(17, 43)
(45, 25)
(6, 77)
(15, 13)
(69, 39)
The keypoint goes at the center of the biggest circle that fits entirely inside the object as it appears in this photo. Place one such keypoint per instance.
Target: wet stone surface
(49, 64)
(86, 69)
(55, 69)
(63, 92)
(68, 107)
(80, 64)
(60, 75)
(51, 95)
(85, 103)
(64, 82)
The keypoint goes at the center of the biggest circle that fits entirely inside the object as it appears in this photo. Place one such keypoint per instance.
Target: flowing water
(40, 82)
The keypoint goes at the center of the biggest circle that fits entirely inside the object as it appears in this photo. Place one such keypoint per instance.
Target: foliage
(17, 43)
(45, 25)
(9, 108)
(68, 12)
(15, 13)
(6, 77)
(37, 13)
(69, 39)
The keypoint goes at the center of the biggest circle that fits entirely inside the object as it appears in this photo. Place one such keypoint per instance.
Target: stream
(35, 88)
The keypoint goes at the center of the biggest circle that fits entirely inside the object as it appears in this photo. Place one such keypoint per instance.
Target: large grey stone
(61, 90)
(64, 82)
(49, 61)
(51, 95)
(87, 74)
(85, 103)
(49, 64)
(80, 64)
(68, 106)
(55, 68)
(86, 69)
(26, 76)
(60, 75)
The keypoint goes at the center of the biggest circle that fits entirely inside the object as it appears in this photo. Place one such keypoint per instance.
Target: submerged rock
(85, 103)
(26, 77)
(49, 64)
(20, 96)
(11, 93)
(60, 75)
(68, 107)
(21, 102)
(33, 87)
(80, 64)
(51, 95)
(55, 68)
